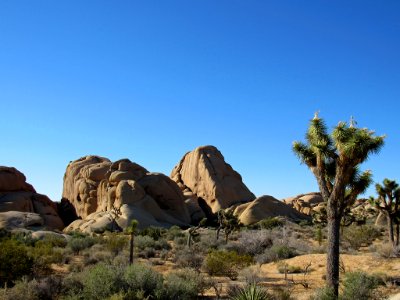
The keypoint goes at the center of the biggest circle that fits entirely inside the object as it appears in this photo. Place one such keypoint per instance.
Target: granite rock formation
(210, 183)
(98, 188)
(265, 207)
(17, 198)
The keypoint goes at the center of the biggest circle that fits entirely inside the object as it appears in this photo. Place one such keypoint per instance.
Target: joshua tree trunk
(131, 249)
(390, 227)
(397, 234)
(332, 265)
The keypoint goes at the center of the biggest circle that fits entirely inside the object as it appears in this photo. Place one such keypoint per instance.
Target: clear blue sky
(151, 80)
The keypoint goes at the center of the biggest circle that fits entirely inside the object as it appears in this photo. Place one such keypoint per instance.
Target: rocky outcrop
(312, 204)
(265, 207)
(95, 186)
(18, 197)
(305, 203)
(205, 177)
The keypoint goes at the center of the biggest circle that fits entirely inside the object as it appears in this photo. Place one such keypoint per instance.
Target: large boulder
(265, 207)
(203, 174)
(97, 188)
(11, 220)
(16, 195)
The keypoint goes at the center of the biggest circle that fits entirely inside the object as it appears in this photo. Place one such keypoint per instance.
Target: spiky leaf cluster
(334, 158)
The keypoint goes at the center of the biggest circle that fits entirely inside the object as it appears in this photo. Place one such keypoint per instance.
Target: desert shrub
(55, 241)
(154, 232)
(147, 253)
(189, 258)
(115, 243)
(15, 261)
(22, 290)
(162, 244)
(386, 250)
(44, 254)
(185, 284)
(77, 243)
(225, 263)
(101, 281)
(252, 242)
(282, 294)
(209, 241)
(358, 286)
(251, 274)
(270, 223)
(174, 232)
(72, 286)
(143, 242)
(276, 252)
(283, 267)
(324, 293)
(358, 236)
(141, 278)
(24, 238)
(248, 292)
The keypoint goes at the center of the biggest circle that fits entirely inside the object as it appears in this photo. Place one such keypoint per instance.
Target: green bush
(358, 286)
(324, 293)
(270, 223)
(174, 232)
(154, 232)
(283, 267)
(189, 258)
(275, 253)
(101, 281)
(22, 290)
(115, 243)
(78, 243)
(357, 236)
(143, 242)
(185, 284)
(44, 254)
(140, 278)
(225, 263)
(15, 261)
(248, 292)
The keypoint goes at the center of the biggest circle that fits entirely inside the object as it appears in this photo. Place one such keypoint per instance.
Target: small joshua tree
(193, 232)
(388, 202)
(131, 230)
(334, 160)
(228, 222)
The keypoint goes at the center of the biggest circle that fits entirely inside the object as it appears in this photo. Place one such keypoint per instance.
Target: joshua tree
(388, 203)
(193, 232)
(334, 160)
(228, 222)
(131, 230)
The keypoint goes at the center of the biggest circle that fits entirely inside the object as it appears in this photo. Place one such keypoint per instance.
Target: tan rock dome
(203, 174)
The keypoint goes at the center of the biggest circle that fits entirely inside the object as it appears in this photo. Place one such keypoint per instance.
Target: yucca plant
(248, 292)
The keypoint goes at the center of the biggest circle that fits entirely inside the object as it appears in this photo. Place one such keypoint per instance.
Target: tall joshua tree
(388, 203)
(334, 160)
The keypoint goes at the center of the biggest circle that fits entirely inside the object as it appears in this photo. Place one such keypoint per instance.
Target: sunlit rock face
(95, 186)
(18, 197)
(206, 179)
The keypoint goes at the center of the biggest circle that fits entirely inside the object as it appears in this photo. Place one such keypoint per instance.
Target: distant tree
(334, 160)
(131, 230)
(192, 232)
(227, 222)
(388, 202)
